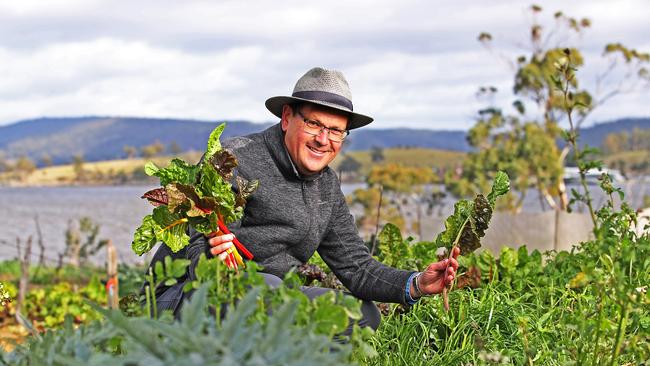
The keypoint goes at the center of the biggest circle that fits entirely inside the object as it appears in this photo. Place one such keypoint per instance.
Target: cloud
(415, 63)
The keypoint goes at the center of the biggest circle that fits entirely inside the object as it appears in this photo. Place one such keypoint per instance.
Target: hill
(104, 138)
(594, 135)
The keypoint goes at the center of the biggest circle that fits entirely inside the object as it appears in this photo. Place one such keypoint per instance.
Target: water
(118, 210)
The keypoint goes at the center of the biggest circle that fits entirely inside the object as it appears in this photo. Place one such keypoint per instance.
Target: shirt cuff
(409, 299)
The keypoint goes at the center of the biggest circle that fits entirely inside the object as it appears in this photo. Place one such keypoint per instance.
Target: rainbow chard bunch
(467, 225)
(198, 195)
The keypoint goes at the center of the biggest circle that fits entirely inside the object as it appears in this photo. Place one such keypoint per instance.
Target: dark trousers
(172, 299)
(370, 315)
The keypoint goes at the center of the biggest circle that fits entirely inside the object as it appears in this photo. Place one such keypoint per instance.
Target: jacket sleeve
(346, 254)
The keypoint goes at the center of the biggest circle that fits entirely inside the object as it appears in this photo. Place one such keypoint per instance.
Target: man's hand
(220, 245)
(438, 275)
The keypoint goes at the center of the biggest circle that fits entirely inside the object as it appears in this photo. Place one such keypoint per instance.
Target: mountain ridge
(104, 137)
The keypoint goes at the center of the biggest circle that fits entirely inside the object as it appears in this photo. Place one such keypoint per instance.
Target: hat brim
(275, 104)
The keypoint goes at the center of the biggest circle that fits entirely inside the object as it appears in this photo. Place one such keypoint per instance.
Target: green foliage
(524, 147)
(399, 178)
(145, 236)
(526, 151)
(48, 306)
(177, 171)
(198, 195)
(214, 143)
(393, 248)
(194, 340)
(5, 298)
(470, 219)
(170, 228)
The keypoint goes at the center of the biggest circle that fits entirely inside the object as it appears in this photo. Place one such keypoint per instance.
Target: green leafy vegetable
(199, 195)
(178, 171)
(245, 189)
(470, 219)
(145, 236)
(224, 162)
(214, 144)
(171, 228)
(391, 245)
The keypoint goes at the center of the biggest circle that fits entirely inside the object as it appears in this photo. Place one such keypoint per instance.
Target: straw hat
(323, 87)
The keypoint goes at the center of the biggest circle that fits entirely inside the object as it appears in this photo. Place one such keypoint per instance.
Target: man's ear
(287, 113)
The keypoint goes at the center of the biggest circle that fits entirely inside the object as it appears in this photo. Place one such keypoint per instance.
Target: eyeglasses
(315, 128)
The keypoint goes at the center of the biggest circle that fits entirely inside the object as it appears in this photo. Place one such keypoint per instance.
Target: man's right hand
(220, 244)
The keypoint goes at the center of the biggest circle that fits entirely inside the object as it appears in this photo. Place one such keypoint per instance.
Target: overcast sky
(411, 64)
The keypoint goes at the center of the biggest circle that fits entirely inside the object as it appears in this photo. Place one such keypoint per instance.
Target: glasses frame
(322, 127)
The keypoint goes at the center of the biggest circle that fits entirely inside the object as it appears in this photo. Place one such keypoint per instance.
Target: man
(299, 208)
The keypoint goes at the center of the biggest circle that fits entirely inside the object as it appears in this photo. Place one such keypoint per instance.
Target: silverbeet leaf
(145, 236)
(156, 197)
(391, 244)
(470, 219)
(223, 161)
(500, 186)
(244, 189)
(178, 171)
(212, 184)
(214, 144)
(205, 225)
(196, 195)
(150, 169)
(170, 228)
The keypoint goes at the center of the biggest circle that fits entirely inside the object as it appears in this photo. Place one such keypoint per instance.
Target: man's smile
(316, 151)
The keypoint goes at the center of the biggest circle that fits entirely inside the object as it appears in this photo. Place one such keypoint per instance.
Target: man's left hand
(438, 275)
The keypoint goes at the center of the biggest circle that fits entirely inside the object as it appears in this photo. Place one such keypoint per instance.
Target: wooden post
(23, 283)
(112, 285)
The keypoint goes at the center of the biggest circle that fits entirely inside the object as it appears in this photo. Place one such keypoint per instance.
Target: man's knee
(272, 281)
(370, 315)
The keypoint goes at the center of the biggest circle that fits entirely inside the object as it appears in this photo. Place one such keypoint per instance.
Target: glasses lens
(312, 127)
(337, 135)
(315, 128)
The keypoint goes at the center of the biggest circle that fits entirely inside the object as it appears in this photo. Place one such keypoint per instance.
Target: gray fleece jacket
(289, 217)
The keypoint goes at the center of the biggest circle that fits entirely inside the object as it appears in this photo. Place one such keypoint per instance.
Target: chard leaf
(156, 196)
(470, 219)
(212, 184)
(454, 223)
(187, 198)
(145, 236)
(481, 215)
(500, 187)
(176, 197)
(170, 228)
(244, 189)
(223, 161)
(391, 245)
(214, 144)
(199, 195)
(150, 169)
(205, 225)
(178, 171)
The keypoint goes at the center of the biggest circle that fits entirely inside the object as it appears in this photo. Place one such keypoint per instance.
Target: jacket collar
(274, 139)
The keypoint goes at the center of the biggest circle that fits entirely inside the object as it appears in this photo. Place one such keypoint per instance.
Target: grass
(128, 170)
(630, 158)
(415, 157)
(97, 172)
